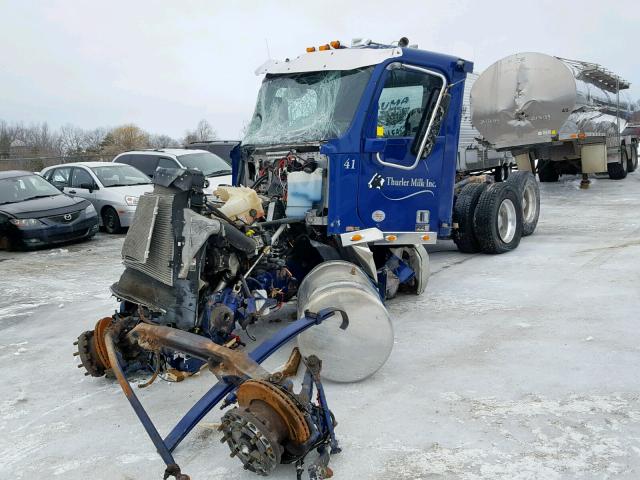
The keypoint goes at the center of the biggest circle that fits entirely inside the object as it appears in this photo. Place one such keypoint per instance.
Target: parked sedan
(113, 188)
(34, 213)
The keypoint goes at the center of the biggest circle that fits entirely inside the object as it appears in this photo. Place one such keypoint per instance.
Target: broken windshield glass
(306, 107)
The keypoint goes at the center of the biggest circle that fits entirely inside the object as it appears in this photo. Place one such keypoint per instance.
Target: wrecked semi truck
(347, 170)
(556, 116)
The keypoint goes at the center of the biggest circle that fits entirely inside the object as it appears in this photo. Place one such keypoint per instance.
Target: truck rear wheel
(632, 163)
(547, 171)
(497, 220)
(463, 210)
(529, 190)
(618, 170)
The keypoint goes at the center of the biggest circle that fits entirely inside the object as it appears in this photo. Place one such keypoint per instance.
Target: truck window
(403, 100)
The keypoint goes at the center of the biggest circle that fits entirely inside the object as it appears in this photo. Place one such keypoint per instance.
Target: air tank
(532, 98)
(359, 351)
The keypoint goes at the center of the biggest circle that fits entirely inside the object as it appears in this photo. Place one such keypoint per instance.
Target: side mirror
(88, 186)
(425, 139)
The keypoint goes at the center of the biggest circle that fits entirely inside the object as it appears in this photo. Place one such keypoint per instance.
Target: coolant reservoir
(239, 201)
(359, 351)
(303, 189)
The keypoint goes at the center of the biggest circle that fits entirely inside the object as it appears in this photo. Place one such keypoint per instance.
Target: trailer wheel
(547, 171)
(618, 170)
(632, 163)
(498, 218)
(529, 190)
(463, 210)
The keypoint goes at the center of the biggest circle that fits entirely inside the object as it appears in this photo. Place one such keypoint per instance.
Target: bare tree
(40, 139)
(73, 140)
(162, 141)
(125, 137)
(8, 134)
(203, 132)
(94, 139)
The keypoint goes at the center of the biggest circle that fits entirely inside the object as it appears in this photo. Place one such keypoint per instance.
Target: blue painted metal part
(221, 389)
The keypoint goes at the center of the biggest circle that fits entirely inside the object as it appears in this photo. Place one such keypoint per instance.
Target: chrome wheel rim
(507, 220)
(529, 206)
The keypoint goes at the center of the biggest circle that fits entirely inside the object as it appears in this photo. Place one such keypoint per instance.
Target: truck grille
(65, 218)
(149, 246)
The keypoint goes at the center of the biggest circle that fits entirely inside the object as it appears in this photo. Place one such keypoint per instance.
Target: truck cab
(382, 122)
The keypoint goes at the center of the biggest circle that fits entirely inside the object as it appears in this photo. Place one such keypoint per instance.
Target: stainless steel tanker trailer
(556, 116)
(475, 155)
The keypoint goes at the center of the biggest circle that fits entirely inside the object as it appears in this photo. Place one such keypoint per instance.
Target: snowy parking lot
(517, 366)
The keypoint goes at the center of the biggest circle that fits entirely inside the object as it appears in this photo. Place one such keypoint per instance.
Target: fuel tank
(359, 351)
(532, 98)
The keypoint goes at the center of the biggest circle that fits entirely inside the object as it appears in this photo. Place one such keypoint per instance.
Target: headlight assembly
(131, 200)
(25, 222)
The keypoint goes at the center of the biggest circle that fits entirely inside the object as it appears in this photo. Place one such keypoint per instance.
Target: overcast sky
(164, 65)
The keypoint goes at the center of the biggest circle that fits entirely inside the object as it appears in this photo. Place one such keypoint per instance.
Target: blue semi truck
(347, 171)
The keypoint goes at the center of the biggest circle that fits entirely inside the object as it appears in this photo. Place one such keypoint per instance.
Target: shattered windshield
(306, 107)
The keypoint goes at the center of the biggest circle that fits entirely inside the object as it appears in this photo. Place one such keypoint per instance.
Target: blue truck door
(398, 192)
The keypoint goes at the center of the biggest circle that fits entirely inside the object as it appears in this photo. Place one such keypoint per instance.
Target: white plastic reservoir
(359, 351)
(303, 189)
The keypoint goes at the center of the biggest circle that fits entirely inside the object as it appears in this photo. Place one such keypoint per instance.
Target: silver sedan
(113, 188)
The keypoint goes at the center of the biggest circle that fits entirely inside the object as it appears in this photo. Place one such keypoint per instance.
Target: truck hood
(45, 206)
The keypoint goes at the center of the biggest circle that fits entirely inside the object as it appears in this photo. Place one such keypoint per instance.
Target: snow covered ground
(518, 366)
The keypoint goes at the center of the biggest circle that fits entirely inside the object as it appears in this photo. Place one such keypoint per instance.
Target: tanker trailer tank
(566, 114)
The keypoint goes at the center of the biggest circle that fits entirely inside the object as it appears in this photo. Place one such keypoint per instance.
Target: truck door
(398, 191)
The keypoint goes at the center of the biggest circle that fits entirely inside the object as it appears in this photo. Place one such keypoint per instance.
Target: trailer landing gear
(585, 182)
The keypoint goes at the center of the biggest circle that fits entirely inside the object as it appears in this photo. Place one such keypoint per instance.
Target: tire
(111, 220)
(547, 171)
(497, 221)
(618, 170)
(463, 210)
(525, 183)
(500, 173)
(632, 163)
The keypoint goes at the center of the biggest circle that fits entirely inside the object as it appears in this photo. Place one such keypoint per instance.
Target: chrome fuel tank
(359, 351)
(532, 98)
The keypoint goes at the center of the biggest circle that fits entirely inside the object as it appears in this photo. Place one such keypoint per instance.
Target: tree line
(40, 140)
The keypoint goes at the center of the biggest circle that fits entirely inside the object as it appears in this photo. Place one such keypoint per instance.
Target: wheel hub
(507, 220)
(92, 349)
(529, 203)
(267, 418)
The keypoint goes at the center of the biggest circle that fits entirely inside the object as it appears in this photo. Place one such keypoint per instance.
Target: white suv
(214, 168)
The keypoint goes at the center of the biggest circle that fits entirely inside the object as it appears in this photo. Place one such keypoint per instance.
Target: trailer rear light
(391, 238)
(322, 48)
(311, 49)
(335, 44)
(426, 238)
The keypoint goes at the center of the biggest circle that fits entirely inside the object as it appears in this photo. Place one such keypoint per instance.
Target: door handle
(72, 191)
